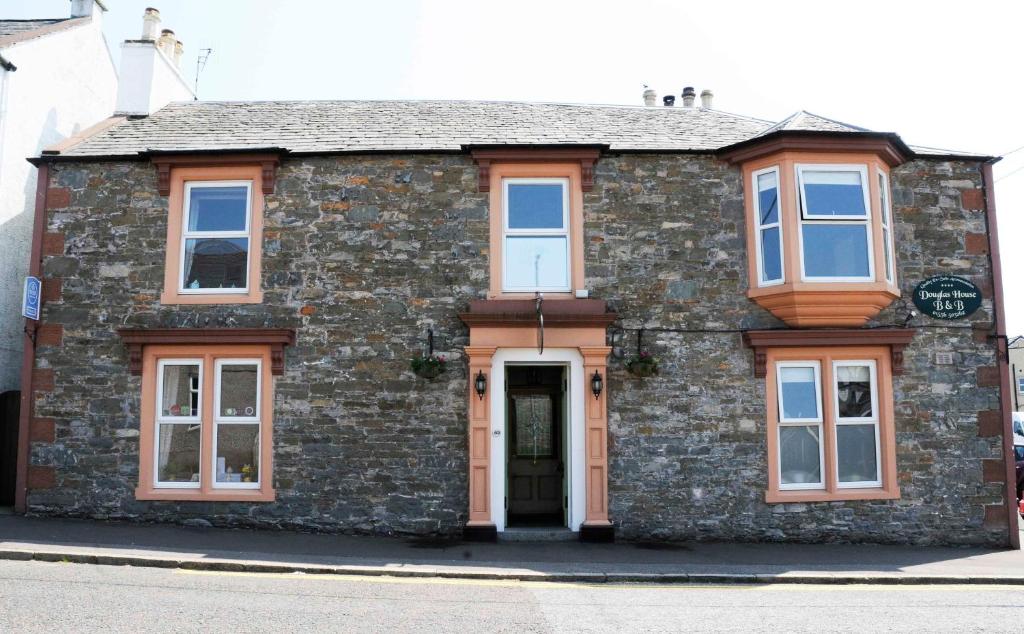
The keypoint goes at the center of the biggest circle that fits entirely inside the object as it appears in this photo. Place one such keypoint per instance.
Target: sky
(940, 73)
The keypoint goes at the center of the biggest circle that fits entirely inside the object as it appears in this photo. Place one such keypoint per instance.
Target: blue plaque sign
(947, 297)
(30, 298)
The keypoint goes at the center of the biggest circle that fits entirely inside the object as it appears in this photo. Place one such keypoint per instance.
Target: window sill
(839, 495)
(825, 304)
(170, 299)
(195, 495)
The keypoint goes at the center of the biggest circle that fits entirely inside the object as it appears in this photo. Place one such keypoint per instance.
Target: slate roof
(323, 127)
(10, 27)
(15, 31)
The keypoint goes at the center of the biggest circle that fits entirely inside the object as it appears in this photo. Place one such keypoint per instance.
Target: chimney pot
(669, 100)
(150, 24)
(179, 50)
(689, 94)
(705, 99)
(650, 97)
(82, 8)
(166, 43)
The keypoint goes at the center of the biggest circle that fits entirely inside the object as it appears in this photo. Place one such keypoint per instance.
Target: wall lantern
(480, 383)
(596, 384)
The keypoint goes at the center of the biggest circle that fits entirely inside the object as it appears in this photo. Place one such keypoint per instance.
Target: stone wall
(363, 254)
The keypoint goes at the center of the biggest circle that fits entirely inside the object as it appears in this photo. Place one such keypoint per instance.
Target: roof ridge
(836, 121)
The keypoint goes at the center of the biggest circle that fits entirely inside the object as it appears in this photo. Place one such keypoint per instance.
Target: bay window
(835, 233)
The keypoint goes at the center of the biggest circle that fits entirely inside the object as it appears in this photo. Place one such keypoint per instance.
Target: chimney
(150, 78)
(179, 50)
(150, 24)
(86, 8)
(705, 99)
(689, 94)
(669, 100)
(650, 97)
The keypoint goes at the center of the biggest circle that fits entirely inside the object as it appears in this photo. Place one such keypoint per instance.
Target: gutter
(28, 357)
(1003, 354)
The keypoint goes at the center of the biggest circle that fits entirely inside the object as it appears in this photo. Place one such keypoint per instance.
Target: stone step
(538, 534)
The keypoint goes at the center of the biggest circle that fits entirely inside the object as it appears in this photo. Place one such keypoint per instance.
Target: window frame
(1020, 384)
(871, 420)
(159, 420)
(187, 235)
(154, 358)
(883, 403)
(887, 223)
(818, 421)
(218, 420)
(564, 232)
(761, 228)
(806, 218)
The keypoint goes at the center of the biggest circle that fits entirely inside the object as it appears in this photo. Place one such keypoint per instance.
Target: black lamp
(596, 384)
(481, 384)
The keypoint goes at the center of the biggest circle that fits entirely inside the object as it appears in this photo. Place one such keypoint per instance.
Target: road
(62, 597)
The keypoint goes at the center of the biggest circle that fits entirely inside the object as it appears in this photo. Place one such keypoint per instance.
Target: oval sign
(947, 297)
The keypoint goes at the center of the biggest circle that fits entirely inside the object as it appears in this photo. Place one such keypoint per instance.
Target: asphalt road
(57, 597)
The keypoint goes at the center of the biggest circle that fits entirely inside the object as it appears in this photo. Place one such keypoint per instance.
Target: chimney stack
(86, 8)
(650, 97)
(150, 24)
(669, 100)
(150, 77)
(689, 94)
(705, 99)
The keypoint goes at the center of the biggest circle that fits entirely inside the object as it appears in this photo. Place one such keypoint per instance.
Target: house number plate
(947, 297)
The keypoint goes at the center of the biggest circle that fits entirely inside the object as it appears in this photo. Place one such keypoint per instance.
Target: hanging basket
(643, 365)
(429, 367)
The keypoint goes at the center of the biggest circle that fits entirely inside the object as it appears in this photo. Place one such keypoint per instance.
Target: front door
(536, 462)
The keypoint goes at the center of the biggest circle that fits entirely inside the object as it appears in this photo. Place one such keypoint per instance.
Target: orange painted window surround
(210, 359)
(180, 177)
(571, 172)
(824, 360)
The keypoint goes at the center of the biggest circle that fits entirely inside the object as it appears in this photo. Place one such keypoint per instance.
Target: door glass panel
(533, 263)
(855, 445)
(835, 250)
(799, 393)
(799, 454)
(853, 389)
(534, 422)
(178, 452)
(217, 208)
(833, 193)
(238, 390)
(536, 206)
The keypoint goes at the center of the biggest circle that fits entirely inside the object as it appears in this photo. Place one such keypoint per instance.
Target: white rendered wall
(64, 82)
(154, 80)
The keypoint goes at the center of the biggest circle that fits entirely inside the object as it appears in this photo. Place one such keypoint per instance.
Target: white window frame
(256, 419)
(813, 219)
(873, 420)
(507, 232)
(1020, 384)
(195, 419)
(887, 222)
(819, 420)
(761, 228)
(187, 235)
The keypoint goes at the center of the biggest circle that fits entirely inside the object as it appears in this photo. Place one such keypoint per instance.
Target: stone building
(652, 322)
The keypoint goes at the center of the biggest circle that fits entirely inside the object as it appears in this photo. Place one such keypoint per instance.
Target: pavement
(261, 551)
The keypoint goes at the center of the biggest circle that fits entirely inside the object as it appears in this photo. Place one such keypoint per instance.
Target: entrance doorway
(10, 405)
(536, 449)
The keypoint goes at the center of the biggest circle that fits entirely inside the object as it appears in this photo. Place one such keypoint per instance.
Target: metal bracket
(540, 319)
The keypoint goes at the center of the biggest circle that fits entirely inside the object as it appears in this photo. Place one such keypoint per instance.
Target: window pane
(799, 457)
(833, 193)
(536, 263)
(180, 386)
(768, 198)
(238, 390)
(771, 258)
(535, 206)
(238, 453)
(885, 199)
(216, 262)
(888, 254)
(835, 250)
(855, 445)
(799, 396)
(217, 208)
(178, 453)
(853, 389)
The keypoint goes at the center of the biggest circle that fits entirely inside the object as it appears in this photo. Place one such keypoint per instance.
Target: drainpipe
(1013, 387)
(28, 357)
(1003, 353)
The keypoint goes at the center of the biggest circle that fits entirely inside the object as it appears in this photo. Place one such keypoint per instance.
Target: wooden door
(535, 465)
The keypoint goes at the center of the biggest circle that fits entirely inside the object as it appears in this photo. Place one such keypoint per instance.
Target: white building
(57, 78)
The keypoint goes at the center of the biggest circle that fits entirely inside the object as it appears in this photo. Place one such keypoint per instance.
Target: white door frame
(575, 472)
